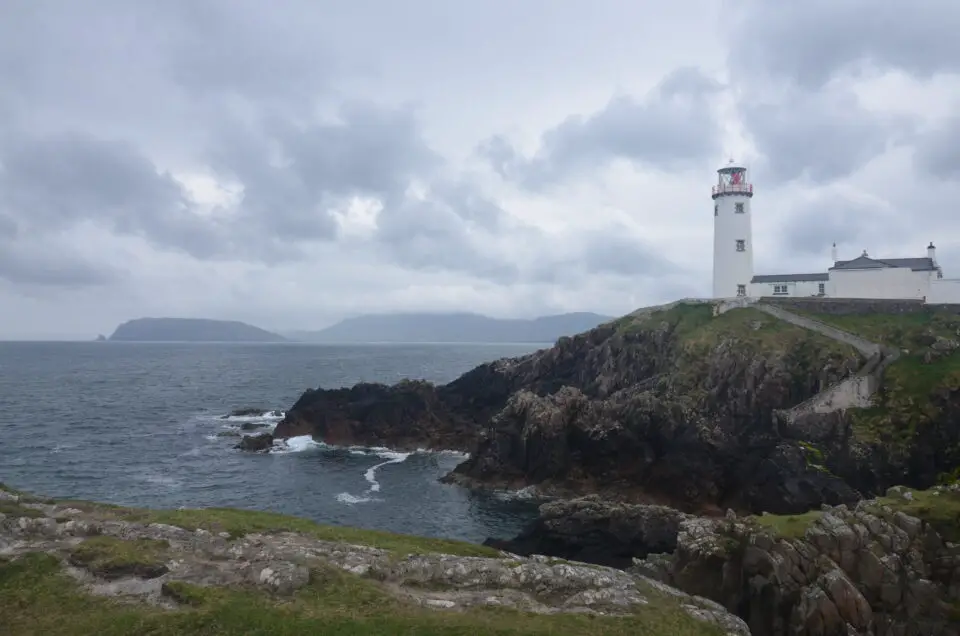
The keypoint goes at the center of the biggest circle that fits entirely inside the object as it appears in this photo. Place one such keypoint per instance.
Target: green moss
(112, 558)
(787, 526)
(940, 510)
(36, 598)
(14, 509)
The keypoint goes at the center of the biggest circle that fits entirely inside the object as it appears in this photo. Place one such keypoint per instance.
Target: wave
(391, 457)
(297, 444)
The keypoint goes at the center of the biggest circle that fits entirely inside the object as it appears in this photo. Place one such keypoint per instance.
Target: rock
(871, 570)
(256, 443)
(252, 426)
(280, 563)
(246, 412)
(595, 531)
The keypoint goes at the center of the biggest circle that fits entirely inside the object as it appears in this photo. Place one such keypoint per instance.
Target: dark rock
(256, 443)
(591, 530)
(246, 412)
(252, 426)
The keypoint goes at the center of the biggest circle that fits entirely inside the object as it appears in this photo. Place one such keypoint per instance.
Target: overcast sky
(292, 162)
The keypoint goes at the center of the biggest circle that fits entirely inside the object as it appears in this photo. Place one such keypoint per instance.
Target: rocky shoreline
(690, 427)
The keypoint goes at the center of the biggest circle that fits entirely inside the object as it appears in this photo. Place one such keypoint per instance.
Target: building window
(716, 209)
(738, 208)
(780, 290)
(741, 245)
(822, 289)
(741, 290)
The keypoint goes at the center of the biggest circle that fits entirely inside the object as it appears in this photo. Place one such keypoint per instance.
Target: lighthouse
(732, 233)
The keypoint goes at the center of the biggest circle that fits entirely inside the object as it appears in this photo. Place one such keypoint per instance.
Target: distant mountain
(191, 330)
(456, 327)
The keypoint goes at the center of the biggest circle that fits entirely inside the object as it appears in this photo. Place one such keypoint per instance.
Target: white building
(861, 277)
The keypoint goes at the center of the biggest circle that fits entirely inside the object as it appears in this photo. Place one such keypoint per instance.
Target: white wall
(891, 282)
(944, 291)
(794, 288)
(730, 267)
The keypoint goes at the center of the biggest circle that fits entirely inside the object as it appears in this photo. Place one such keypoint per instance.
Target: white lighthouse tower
(732, 233)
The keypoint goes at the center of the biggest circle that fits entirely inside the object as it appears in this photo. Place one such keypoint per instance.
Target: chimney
(833, 253)
(932, 253)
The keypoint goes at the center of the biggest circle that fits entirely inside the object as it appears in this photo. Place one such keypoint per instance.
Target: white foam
(269, 416)
(392, 457)
(296, 444)
(349, 499)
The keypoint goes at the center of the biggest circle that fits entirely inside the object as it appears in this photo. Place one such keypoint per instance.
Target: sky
(295, 162)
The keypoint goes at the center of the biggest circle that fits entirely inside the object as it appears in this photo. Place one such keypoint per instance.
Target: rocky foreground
(888, 566)
(80, 568)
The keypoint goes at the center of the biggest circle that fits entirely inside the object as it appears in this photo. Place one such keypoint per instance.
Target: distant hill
(455, 327)
(191, 330)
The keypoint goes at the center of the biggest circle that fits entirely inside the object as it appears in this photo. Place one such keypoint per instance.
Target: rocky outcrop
(869, 570)
(592, 530)
(256, 443)
(149, 562)
(672, 406)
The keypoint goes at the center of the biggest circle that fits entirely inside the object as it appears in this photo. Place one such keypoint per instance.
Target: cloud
(938, 150)
(287, 165)
(813, 42)
(671, 128)
(821, 136)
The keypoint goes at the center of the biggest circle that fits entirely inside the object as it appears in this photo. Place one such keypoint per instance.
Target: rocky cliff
(672, 406)
(883, 567)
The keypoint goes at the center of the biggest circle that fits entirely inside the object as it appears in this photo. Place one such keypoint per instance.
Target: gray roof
(789, 278)
(865, 262)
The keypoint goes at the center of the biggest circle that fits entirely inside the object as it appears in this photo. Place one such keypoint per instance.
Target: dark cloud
(820, 136)
(57, 181)
(938, 151)
(674, 126)
(815, 41)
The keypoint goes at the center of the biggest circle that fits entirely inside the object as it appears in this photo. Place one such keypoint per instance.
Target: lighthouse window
(741, 290)
(741, 245)
(716, 209)
(821, 289)
(738, 208)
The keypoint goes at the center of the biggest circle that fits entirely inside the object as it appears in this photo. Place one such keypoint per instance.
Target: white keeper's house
(865, 276)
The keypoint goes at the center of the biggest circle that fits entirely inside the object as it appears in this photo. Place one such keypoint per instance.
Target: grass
(942, 511)
(788, 526)
(904, 404)
(113, 558)
(36, 598)
(238, 523)
(14, 509)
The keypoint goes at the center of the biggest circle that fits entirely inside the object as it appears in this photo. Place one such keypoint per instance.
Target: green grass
(112, 558)
(14, 509)
(942, 511)
(904, 403)
(238, 523)
(36, 598)
(787, 526)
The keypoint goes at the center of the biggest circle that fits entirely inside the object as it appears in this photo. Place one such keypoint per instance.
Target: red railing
(733, 188)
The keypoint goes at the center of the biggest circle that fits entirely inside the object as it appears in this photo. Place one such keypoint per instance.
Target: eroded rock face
(282, 563)
(869, 570)
(645, 412)
(596, 531)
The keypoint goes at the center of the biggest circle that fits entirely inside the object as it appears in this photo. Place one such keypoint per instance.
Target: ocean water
(136, 424)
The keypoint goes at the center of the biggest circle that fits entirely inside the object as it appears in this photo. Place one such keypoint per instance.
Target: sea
(142, 424)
